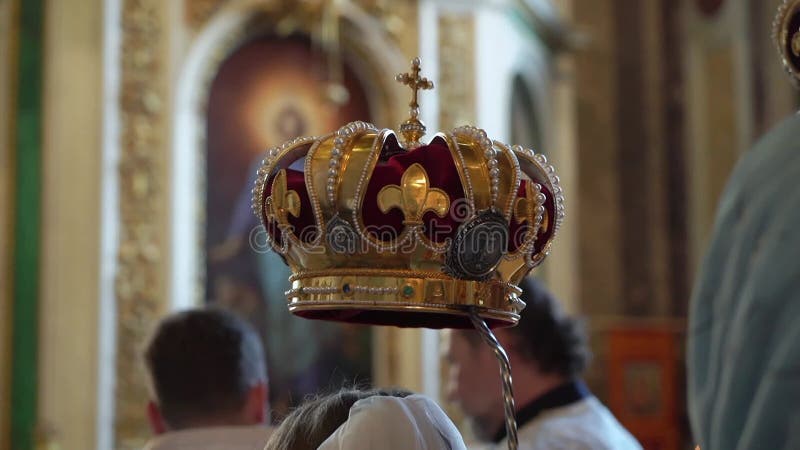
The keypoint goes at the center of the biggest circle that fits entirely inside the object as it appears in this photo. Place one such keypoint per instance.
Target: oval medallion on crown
(786, 32)
(792, 43)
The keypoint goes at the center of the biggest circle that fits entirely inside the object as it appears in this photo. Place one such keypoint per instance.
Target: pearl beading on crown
(343, 137)
(259, 189)
(479, 136)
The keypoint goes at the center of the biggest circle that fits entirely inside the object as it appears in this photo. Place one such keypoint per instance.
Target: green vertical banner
(27, 223)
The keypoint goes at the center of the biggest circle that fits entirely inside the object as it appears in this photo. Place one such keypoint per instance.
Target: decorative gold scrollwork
(525, 207)
(282, 201)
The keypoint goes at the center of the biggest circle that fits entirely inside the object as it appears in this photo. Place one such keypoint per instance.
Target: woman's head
(368, 420)
(308, 426)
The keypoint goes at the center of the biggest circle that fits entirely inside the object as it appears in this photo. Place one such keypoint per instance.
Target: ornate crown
(393, 232)
(786, 33)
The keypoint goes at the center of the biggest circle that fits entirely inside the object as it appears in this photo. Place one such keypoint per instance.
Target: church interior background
(129, 130)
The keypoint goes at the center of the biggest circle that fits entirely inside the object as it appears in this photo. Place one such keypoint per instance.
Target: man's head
(206, 368)
(546, 348)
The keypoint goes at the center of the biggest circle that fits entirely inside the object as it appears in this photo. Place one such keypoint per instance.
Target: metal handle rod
(505, 373)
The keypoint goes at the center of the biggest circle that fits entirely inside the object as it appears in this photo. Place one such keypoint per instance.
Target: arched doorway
(525, 129)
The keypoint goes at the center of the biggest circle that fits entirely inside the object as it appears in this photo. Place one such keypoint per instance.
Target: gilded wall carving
(141, 263)
(197, 12)
(396, 18)
(456, 70)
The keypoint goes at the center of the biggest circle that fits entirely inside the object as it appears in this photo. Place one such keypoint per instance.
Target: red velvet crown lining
(303, 227)
(438, 163)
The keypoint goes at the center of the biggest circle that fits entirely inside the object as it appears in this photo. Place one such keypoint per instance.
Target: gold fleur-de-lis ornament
(282, 201)
(414, 196)
(525, 207)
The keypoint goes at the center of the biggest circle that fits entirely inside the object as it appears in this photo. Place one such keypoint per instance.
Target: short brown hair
(554, 340)
(201, 364)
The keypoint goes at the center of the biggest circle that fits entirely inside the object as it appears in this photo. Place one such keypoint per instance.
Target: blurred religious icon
(643, 388)
(290, 123)
(643, 383)
(264, 94)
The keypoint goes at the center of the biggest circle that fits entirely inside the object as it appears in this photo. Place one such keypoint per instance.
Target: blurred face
(473, 379)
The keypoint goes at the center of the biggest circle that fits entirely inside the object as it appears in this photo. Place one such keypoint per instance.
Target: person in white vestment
(554, 408)
(208, 381)
(367, 420)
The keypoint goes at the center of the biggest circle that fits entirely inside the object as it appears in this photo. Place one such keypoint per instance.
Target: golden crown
(393, 232)
(786, 34)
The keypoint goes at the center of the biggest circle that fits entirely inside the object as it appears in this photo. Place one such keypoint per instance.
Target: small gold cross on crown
(415, 82)
(413, 129)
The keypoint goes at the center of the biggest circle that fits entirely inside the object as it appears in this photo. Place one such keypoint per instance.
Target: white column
(109, 228)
